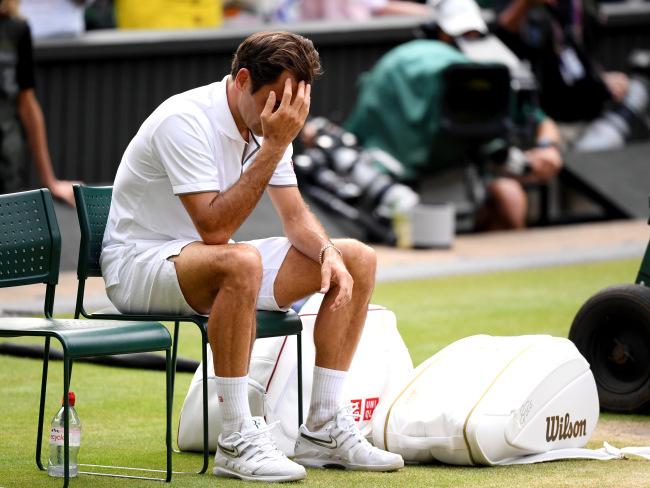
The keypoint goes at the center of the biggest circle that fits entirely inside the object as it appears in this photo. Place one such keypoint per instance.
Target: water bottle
(55, 466)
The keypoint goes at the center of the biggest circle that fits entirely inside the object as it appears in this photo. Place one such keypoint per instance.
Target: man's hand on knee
(333, 270)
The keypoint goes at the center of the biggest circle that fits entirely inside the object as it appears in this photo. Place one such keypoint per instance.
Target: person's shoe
(339, 444)
(251, 454)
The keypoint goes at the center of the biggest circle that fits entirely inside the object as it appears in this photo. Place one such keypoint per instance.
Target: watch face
(547, 143)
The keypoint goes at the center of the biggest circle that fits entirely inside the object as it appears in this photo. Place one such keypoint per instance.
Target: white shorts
(148, 281)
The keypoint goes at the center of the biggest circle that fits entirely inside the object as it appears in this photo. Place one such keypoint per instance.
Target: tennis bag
(493, 400)
(381, 359)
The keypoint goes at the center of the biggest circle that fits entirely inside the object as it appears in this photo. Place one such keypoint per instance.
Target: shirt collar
(223, 114)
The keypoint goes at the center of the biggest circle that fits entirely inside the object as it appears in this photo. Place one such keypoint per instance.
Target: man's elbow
(215, 238)
(213, 235)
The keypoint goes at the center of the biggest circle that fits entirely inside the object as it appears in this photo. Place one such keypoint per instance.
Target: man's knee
(360, 259)
(244, 268)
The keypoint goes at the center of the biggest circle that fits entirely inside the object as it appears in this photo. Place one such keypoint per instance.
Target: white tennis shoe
(252, 455)
(340, 444)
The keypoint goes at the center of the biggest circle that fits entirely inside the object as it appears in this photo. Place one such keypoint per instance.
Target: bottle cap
(71, 399)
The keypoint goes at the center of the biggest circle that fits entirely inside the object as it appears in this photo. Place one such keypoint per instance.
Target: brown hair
(267, 54)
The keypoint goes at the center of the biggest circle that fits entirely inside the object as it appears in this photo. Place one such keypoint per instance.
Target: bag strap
(605, 453)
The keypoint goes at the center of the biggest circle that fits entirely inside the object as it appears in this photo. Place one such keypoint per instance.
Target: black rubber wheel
(612, 331)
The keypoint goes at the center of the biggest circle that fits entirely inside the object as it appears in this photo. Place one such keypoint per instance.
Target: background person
(555, 37)
(189, 178)
(20, 113)
(399, 110)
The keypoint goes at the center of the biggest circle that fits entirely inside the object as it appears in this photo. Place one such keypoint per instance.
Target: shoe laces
(261, 442)
(348, 432)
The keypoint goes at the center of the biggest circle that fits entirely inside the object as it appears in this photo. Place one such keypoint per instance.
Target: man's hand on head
(280, 127)
(333, 271)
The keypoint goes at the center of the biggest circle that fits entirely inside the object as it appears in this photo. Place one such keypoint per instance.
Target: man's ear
(243, 79)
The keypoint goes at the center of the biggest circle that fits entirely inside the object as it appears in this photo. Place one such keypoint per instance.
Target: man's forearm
(229, 209)
(307, 234)
(217, 217)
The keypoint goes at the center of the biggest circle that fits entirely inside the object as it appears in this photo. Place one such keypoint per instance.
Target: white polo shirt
(189, 144)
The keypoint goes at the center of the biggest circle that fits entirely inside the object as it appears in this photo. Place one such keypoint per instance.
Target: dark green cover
(399, 105)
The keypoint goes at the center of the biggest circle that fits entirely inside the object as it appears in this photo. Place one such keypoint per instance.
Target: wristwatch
(546, 142)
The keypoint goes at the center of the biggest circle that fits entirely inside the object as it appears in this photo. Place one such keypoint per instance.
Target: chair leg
(299, 352)
(204, 362)
(41, 409)
(204, 374)
(168, 408)
(175, 351)
(173, 361)
(67, 370)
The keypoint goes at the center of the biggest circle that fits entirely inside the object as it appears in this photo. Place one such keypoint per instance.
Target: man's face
(251, 105)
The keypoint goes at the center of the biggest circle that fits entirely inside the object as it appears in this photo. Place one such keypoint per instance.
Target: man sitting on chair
(187, 181)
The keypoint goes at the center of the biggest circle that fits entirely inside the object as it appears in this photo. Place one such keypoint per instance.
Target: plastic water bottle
(55, 466)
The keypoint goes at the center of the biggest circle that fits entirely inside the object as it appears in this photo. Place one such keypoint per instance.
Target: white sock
(326, 396)
(233, 402)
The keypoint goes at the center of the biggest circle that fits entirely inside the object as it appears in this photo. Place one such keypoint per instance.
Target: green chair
(93, 205)
(30, 249)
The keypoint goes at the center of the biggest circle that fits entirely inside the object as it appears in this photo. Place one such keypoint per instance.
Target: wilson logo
(560, 428)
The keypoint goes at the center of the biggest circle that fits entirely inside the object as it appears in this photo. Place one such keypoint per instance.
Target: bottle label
(56, 436)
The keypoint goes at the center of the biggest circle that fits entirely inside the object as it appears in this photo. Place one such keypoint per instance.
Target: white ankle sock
(326, 396)
(233, 402)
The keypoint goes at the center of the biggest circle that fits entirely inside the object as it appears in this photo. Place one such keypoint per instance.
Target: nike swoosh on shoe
(234, 452)
(332, 444)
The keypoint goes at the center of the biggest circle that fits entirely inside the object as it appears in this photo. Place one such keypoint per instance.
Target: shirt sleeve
(284, 175)
(25, 66)
(182, 147)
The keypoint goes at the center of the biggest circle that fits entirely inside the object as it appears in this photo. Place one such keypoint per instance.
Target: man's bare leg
(336, 333)
(506, 207)
(224, 281)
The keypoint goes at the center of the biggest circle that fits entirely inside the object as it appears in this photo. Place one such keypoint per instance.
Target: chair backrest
(30, 242)
(93, 205)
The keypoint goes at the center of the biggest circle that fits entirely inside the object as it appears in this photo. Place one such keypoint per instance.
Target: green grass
(122, 410)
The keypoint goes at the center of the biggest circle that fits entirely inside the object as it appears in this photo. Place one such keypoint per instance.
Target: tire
(612, 331)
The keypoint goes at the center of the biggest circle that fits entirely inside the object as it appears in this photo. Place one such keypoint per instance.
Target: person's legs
(336, 334)
(223, 281)
(506, 207)
(330, 436)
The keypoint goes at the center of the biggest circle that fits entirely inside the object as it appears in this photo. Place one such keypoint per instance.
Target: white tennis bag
(381, 360)
(493, 400)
